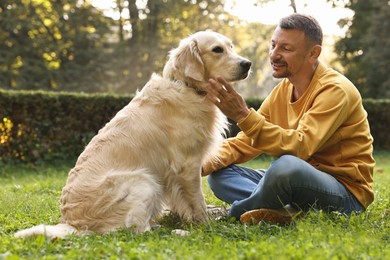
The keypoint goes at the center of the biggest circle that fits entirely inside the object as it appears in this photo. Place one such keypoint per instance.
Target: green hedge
(379, 118)
(41, 126)
(45, 126)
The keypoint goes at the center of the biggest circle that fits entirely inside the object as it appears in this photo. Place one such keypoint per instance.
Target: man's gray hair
(306, 23)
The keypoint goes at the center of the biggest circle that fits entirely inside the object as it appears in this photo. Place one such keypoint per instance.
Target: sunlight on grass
(30, 196)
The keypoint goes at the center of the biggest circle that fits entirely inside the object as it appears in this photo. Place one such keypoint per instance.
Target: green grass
(30, 194)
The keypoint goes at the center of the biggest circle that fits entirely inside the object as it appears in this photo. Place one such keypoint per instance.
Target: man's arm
(233, 150)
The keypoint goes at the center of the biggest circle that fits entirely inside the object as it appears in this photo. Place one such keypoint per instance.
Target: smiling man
(313, 122)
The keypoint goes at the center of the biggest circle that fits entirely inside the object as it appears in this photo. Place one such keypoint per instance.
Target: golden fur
(150, 154)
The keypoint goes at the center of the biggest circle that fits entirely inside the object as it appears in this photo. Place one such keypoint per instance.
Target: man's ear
(188, 61)
(315, 52)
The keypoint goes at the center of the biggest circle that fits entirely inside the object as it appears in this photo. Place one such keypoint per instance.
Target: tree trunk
(133, 11)
(294, 6)
(120, 20)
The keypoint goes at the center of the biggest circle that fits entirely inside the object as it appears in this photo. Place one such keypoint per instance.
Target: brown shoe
(271, 216)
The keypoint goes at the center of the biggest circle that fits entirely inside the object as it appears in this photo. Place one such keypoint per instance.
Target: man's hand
(227, 99)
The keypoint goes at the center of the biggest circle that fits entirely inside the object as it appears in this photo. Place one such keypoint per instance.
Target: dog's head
(204, 55)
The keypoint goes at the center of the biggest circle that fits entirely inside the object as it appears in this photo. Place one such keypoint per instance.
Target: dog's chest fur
(192, 123)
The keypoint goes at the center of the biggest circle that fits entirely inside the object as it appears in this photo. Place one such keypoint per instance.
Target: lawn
(30, 195)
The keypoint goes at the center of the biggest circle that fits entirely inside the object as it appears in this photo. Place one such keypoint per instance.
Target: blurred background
(114, 46)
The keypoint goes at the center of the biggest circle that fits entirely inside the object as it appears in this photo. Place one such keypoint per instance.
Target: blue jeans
(288, 180)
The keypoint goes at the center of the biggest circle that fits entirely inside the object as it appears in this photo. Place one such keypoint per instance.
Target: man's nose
(273, 53)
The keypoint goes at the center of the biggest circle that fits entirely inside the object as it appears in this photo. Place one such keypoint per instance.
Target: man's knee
(214, 179)
(283, 168)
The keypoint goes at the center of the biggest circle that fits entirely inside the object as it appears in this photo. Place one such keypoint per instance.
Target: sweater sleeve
(237, 149)
(327, 112)
(233, 150)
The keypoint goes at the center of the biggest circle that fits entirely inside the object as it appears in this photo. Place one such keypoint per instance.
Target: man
(313, 122)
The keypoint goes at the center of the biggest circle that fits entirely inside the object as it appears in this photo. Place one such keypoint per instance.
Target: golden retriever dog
(149, 155)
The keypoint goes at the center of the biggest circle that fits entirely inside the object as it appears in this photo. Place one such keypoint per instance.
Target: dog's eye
(218, 49)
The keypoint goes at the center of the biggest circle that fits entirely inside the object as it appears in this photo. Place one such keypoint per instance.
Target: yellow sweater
(327, 127)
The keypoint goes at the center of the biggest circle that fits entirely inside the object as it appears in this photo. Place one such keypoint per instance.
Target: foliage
(378, 114)
(164, 24)
(47, 44)
(41, 126)
(30, 196)
(48, 126)
(69, 45)
(362, 52)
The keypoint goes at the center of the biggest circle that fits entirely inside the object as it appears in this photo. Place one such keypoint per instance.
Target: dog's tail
(59, 230)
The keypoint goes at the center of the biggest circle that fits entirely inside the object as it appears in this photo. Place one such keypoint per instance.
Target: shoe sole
(270, 216)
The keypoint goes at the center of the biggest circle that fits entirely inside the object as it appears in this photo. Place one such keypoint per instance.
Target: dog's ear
(188, 61)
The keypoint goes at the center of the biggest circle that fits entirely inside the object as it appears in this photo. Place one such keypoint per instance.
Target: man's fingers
(225, 84)
(212, 91)
(215, 88)
(210, 86)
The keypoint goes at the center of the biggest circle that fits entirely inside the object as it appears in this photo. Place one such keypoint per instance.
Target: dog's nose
(246, 64)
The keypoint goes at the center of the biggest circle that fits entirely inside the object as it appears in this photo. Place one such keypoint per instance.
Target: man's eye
(218, 49)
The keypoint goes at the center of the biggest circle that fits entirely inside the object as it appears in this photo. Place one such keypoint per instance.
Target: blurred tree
(49, 44)
(120, 8)
(363, 52)
(160, 26)
(69, 45)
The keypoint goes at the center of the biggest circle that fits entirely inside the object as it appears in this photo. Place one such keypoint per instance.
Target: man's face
(288, 53)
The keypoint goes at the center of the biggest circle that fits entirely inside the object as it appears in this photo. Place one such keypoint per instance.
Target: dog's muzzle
(245, 66)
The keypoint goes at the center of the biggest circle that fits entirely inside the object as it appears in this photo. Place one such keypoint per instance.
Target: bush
(46, 126)
(378, 116)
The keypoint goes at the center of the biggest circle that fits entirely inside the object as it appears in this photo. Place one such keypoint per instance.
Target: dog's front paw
(202, 218)
(199, 216)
